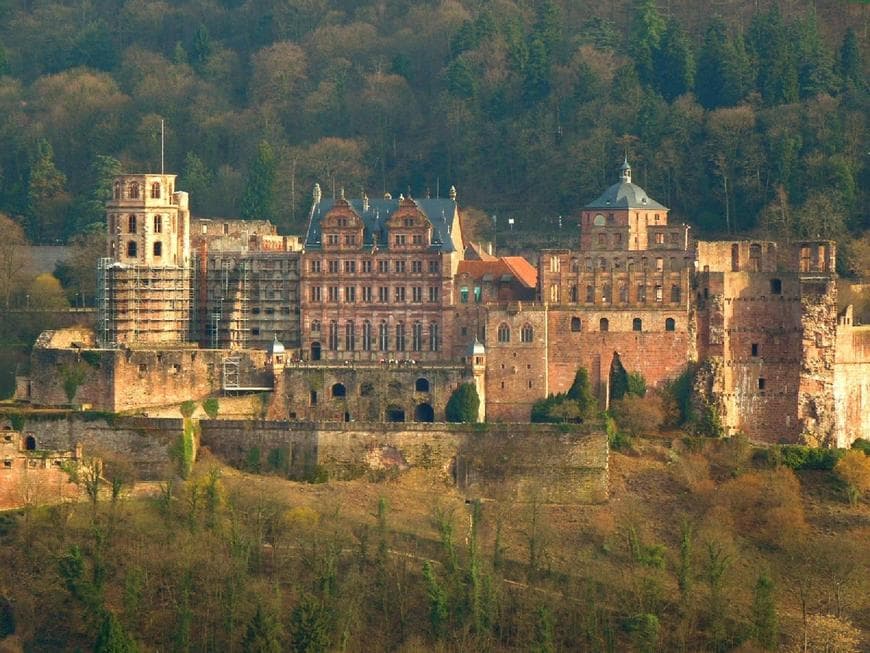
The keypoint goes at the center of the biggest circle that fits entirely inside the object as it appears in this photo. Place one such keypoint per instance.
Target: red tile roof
(515, 266)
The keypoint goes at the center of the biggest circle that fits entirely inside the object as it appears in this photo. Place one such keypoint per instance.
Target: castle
(384, 308)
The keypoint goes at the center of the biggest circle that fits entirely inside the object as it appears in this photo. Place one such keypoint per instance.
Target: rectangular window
(350, 267)
(315, 294)
(433, 294)
(478, 295)
(641, 293)
(383, 294)
(400, 294)
(332, 293)
(416, 294)
(754, 349)
(463, 295)
(658, 293)
(314, 266)
(383, 267)
(417, 239)
(660, 239)
(367, 294)
(350, 294)
(416, 267)
(350, 239)
(367, 266)
(400, 239)
(433, 267)
(400, 267)
(660, 264)
(333, 266)
(332, 239)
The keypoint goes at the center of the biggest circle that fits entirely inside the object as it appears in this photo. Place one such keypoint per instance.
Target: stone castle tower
(145, 285)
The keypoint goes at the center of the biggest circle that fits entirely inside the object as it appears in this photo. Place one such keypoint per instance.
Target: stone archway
(395, 414)
(424, 413)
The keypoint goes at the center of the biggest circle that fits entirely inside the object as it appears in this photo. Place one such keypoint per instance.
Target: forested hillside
(739, 115)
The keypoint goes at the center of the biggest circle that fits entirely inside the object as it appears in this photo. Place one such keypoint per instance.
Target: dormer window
(342, 222)
(409, 222)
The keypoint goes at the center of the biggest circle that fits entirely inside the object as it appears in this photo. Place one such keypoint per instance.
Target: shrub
(252, 459)
(862, 445)
(211, 406)
(187, 408)
(797, 456)
(463, 404)
(73, 376)
(854, 469)
(637, 415)
(279, 460)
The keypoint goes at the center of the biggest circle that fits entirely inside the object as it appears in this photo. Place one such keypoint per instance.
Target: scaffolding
(144, 304)
(105, 321)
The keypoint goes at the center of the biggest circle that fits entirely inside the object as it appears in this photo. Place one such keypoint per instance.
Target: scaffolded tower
(145, 284)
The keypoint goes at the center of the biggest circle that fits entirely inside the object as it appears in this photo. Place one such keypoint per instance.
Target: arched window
(637, 324)
(504, 333)
(670, 324)
(433, 336)
(155, 191)
(417, 336)
(338, 390)
(116, 190)
(421, 385)
(131, 224)
(349, 336)
(333, 335)
(383, 336)
(134, 190)
(603, 324)
(158, 224)
(400, 336)
(367, 336)
(131, 248)
(576, 325)
(527, 334)
(30, 443)
(158, 248)
(315, 326)
(675, 294)
(574, 297)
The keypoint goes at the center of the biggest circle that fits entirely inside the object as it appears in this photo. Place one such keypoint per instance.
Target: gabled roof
(376, 212)
(509, 266)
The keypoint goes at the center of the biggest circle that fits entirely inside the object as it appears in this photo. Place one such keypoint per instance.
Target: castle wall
(119, 380)
(32, 477)
(364, 392)
(852, 383)
(558, 465)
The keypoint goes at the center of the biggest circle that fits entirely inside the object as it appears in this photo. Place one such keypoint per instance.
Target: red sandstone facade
(386, 281)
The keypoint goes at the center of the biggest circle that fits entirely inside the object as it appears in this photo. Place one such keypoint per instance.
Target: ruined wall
(560, 465)
(761, 355)
(852, 382)
(817, 410)
(144, 442)
(364, 392)
(119, 380)
(32, 477)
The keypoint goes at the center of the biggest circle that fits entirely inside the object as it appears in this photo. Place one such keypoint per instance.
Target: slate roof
(440, 213)
(625, 195)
